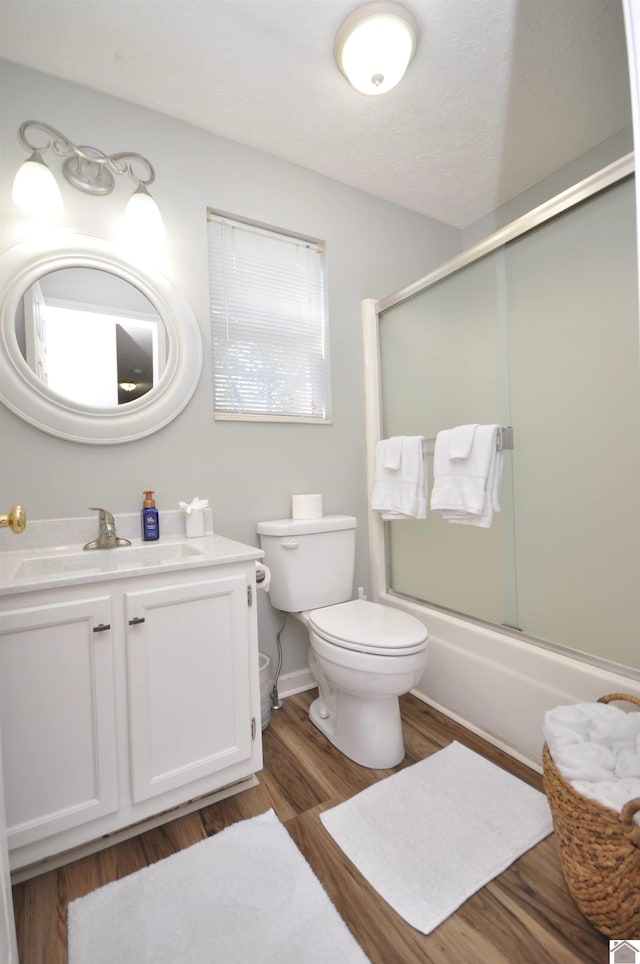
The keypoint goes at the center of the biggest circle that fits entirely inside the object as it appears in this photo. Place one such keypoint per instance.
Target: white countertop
(45, 566)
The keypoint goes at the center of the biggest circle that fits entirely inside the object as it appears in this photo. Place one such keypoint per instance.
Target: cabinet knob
(136, 620)
(101, 627)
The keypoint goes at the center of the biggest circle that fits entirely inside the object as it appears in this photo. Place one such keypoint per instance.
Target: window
(267, 305)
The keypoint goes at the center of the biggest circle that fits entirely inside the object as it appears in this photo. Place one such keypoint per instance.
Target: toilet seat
(369, 627)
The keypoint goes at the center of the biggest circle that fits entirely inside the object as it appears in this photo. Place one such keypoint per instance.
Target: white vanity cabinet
(125, 698)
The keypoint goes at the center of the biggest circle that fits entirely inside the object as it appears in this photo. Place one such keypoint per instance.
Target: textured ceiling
(501, 92)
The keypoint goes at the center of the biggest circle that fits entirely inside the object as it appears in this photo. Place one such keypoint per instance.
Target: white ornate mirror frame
(24, 263)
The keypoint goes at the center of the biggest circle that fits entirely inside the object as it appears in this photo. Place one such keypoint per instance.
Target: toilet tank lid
(301, 527)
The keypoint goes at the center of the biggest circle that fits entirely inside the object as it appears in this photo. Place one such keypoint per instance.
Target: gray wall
(246, 470)
(584, 166)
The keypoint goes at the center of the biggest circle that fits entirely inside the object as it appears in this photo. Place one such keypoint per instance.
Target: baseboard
(298, 682)
(301, 680)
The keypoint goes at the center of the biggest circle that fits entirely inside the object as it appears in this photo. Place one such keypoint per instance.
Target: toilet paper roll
(306, 506)
(266, 582)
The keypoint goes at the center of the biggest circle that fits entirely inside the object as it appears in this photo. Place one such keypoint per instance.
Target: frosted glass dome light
(143, 228)
(374, 46)
(142, 215)
(35, 190)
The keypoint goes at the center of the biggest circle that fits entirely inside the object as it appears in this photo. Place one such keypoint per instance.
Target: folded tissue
(194, 516)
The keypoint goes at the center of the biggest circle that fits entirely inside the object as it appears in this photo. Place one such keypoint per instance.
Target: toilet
(363, 655)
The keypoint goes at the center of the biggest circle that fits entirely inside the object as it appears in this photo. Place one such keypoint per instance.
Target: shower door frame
(371, 311)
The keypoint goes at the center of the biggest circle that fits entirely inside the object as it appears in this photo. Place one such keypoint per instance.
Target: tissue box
(194, 523)
(194, 516)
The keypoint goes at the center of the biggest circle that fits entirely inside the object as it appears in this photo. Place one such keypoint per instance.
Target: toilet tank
(311, 561)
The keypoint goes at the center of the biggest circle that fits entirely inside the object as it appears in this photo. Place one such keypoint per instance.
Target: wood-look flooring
(524, 916)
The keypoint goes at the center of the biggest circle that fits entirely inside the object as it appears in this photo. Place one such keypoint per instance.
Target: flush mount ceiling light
(36, 191)
(374, 46)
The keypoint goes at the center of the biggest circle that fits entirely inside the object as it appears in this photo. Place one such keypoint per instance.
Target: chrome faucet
(107, 536)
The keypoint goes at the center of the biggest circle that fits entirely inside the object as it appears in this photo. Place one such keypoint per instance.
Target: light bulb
(35, 189)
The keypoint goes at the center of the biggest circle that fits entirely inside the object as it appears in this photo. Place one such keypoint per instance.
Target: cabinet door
(57, 717)
(188, 682)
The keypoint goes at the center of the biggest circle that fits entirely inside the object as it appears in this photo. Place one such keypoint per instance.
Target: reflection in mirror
(91, 336)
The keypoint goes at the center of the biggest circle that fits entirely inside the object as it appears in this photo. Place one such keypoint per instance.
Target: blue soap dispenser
(150, 524)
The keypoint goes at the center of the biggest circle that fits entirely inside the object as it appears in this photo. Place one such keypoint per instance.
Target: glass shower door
(444, 363)
(575, 398)
(541, 334)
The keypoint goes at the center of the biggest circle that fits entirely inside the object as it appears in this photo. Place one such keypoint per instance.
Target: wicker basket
(599, 851)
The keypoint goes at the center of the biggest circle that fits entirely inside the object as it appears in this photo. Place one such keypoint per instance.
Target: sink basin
(107, 560)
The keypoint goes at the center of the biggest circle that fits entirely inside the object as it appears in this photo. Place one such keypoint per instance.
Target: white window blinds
(268, 323)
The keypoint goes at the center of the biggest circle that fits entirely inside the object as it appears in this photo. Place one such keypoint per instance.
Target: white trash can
(266, 685)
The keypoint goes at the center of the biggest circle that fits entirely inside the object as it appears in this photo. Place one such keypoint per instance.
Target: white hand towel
(393, 452)
(401, 493)
(461, 441)
(465, 491)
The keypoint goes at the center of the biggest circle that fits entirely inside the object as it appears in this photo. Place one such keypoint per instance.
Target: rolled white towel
(610, 793)
(577, 722)
(628, 765)
(596, 747)
(620, 731)
(586, 761)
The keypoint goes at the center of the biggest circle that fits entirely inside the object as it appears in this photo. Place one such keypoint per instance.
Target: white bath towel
(400, 493)
(596, 748)
(465, 491)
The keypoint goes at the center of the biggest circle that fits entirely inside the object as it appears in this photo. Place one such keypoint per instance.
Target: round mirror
(96, 349)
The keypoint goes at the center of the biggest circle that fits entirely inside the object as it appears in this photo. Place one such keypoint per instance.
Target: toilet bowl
(363, 655)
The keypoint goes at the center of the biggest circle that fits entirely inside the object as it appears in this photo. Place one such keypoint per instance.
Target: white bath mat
(431, 835)
(244, 896)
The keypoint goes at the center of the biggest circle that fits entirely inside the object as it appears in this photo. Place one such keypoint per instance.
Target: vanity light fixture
(374, 46)
(36, 191)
